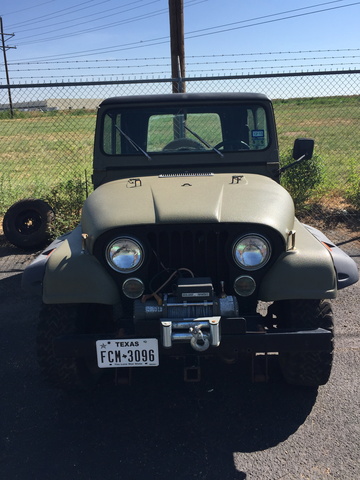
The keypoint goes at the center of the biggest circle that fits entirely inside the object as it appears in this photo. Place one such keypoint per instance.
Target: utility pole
(176, 14)
(4, 48)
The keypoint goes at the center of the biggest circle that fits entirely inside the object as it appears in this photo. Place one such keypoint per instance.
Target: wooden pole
(176, 14)
(4, 48)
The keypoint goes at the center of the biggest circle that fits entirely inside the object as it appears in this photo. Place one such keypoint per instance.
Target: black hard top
(183, 98)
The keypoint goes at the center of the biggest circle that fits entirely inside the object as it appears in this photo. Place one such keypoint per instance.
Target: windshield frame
(136, 126)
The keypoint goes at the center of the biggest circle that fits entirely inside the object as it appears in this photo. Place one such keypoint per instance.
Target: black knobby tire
(67, 373)
(306, 368)
(26, 223)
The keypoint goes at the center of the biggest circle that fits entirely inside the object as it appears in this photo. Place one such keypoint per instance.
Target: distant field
(39, 150)
(38, 142)
(334, 123)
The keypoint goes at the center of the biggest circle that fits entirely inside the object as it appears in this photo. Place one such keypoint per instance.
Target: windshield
(156, 130)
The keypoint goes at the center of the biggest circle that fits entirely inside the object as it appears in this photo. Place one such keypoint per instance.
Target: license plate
(134, 352)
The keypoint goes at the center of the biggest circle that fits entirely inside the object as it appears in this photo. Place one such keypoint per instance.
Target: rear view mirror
(303, 148)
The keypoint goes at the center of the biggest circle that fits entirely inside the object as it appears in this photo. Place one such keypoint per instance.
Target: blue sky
(71, 39)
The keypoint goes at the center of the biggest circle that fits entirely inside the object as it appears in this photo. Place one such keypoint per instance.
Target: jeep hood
(189, 198)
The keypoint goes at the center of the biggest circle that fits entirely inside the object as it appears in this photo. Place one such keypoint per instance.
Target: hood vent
(185, 174)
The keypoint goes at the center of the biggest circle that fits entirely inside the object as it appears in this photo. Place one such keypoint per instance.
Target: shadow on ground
(159, 427)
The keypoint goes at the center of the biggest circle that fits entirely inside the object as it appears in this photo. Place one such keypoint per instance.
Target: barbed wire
(191, 64)
(165, 74)
(225, 55)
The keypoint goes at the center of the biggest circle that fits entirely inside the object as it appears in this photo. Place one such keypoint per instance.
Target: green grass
(40, 150)
(333, 122)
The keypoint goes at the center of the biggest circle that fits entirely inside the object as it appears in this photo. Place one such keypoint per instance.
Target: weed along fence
(47, 138)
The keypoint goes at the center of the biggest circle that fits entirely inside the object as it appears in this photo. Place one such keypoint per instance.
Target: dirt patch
(340, 223)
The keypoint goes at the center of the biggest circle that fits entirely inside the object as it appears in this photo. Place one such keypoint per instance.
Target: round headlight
(251, 252)
(125, 255)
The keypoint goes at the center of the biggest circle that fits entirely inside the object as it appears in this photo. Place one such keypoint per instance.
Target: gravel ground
(222, 428)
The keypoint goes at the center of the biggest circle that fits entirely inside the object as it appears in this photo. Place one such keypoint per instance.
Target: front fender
(33, 275)
(74, 276)
(305, 272)
(346, 269)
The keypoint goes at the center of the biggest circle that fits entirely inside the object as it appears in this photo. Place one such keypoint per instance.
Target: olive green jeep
(187, 232)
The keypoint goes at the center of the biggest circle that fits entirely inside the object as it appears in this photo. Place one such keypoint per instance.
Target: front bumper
(234, 339)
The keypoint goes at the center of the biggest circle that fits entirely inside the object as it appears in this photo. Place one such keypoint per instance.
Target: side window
(258, 133)
(111, 137)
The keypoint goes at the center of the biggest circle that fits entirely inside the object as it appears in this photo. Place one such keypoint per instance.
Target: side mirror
(303, 148)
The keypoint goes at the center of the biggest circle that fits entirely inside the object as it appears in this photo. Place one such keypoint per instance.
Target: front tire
(305, 368)
(68, 373)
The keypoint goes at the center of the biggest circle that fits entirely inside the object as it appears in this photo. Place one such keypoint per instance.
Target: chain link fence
(47, 136)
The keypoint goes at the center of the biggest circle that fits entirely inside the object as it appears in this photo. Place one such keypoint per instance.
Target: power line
(101, 27)
(92, 29)
(271, 15)
(28, 8)
(90, 15)
(198, 33)
(191, 34)
(104, 26)
(37, 19)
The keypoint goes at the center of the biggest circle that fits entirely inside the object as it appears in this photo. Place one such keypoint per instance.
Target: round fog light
(244, 286)
(133, 288)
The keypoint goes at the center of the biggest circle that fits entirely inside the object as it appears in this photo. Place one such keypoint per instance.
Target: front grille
(200, 250)
(203, 249)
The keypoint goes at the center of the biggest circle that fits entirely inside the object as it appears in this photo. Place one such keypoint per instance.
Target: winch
(200, 332)
(192, 314)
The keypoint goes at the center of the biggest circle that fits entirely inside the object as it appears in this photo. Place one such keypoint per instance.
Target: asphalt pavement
(222, 428)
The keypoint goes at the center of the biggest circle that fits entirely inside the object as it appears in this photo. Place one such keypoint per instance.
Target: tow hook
(200, 332)
(200, 340)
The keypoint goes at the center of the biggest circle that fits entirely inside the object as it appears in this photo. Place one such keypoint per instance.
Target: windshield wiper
(133, 143)
(202, 140)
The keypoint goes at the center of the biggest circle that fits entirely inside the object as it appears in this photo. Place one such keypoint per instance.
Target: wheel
(26, 223)
(69, 373)
(306, 368)
(184, 144)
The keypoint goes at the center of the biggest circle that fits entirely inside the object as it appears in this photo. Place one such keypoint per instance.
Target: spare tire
(26, 223)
